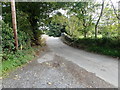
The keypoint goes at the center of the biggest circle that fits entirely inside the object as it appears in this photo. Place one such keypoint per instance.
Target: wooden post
(14, 23)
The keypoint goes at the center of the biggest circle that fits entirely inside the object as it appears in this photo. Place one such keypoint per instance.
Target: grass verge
(12, 61)
(103, 46)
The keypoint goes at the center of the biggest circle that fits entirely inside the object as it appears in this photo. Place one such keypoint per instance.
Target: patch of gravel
(58, 73)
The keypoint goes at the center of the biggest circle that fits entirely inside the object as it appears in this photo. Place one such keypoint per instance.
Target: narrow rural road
(61, 66)
(103, 66)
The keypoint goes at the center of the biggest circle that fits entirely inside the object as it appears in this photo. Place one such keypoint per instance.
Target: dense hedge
(8, 38)
(102, 42)
(107, 46)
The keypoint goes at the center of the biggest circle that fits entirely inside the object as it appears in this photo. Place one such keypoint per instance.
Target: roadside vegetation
(105, 46)
(29, 19)
(12, 60)
(90, 25)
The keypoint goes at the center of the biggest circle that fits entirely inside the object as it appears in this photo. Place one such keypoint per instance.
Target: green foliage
(41, 14)
(107, 46)
(74, 27)
(25, 34)
(23, 23)
(57, 25)
(10, 58)
(23, 29)
(13, 60)
(29, 16)
(6, 13)
(102, 42)
(7, 37)
(78, 23)
(54, 30)
(105, 51)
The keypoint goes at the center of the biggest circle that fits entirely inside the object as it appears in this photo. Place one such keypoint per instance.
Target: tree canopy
(79, 20)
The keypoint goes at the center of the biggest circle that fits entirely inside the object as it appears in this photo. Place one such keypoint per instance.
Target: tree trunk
(96, 26)
(36, 32)
(119, 20)
(117, 15)
(84, 24)
(14, 23)
(85, 34)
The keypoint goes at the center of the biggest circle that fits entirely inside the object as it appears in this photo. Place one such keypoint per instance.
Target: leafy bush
(102, 42)
(10, 58)
(54, 30)
(106, 46)
(7, 37)
(17, 59)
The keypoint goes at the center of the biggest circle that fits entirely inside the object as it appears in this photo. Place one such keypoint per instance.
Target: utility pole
(14, 23)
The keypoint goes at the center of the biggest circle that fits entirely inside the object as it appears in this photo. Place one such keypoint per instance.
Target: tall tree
(96, 25)
(79, 9)
(117, 15)
(38, 12)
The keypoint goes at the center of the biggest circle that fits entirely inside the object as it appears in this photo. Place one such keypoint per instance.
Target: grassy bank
(105, 46)
(13, 60)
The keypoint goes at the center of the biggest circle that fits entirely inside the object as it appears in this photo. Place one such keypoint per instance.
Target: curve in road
(103, 66)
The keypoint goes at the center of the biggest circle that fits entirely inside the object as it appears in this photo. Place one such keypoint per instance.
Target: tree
(80, 11)
(41, 14)
(57, 25)
(117, 15)
(108, 23)
(84, 12)
(74, 26)
(96, 25)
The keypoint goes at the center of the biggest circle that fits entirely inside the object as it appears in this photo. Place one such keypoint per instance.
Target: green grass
(11, 61)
